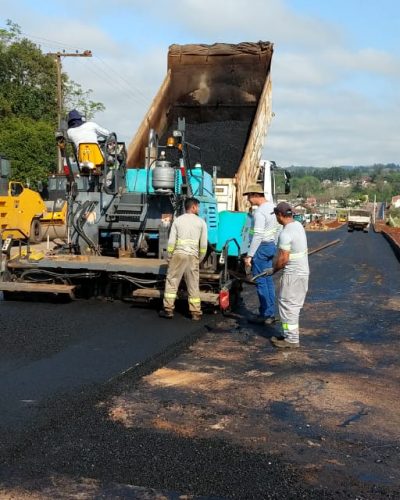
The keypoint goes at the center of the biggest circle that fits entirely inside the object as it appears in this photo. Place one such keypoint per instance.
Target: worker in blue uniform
(262, 251)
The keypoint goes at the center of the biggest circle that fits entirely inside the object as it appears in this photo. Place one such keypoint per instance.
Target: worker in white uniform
(293, 259)
(80, 131)
(187, 247)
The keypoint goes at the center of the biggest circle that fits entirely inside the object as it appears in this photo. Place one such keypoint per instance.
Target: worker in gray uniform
(261, 252)
(187, 247)
(293, 259)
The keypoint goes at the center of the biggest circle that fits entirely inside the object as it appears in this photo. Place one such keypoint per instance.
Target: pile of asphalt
(221, 143)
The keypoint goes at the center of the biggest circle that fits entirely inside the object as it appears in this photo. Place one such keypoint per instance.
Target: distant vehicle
(359, 219)
(300, 218)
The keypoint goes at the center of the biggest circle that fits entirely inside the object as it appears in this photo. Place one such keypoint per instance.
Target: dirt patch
(325, 225)
(278, 406)
(393, 232)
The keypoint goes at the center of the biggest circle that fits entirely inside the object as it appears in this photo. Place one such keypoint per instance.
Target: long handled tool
(252, 280)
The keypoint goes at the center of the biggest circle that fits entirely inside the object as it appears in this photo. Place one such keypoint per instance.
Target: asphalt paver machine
(118, 222)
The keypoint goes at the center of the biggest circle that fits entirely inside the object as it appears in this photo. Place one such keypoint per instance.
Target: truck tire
(35, 235)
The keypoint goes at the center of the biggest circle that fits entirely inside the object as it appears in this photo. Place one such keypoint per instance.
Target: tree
(30, 146)
(28, 80)
(77, 98)
(28, 105)
(306, 186)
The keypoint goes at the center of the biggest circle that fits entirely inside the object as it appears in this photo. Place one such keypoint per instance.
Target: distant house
(396, 201)
(344, 183)
(311, 201)
(299, 208)
(366, 181)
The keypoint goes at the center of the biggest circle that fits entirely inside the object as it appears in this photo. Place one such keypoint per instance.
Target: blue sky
(335, 70)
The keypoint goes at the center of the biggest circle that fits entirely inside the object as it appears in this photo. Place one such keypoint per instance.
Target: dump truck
(211, 113)
(224, 92)
(358, 219)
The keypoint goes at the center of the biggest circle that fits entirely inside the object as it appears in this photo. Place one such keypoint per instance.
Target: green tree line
(383, 181)
(28, 105)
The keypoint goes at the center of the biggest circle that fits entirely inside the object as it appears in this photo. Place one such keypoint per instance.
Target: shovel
(251, 281)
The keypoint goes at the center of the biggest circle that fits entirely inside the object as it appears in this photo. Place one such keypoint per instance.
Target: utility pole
(57, 57)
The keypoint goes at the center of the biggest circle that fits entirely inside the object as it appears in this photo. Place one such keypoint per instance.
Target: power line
(125, 81)
(126, 86)
(53, 42)
(106, 77)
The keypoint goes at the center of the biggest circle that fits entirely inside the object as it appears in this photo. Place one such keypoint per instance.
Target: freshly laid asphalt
(58, 361)
(47, 349)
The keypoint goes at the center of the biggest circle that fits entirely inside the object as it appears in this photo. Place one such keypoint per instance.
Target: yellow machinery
(21, 210)
(54, 220)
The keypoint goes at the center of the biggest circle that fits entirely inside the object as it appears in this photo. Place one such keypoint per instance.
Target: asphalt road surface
(48, 349)
(61, 364)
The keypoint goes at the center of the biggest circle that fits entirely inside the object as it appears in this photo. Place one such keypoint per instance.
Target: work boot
(261, 320)
(256, 320)
(196, 316)
(166, 314)
(281, 342)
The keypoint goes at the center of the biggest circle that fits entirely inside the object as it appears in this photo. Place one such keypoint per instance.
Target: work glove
(266, 272)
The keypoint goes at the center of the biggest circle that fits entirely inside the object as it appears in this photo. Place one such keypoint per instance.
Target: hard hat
(254, 188)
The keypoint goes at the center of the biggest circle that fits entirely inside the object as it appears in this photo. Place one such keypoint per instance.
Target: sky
(335, 69)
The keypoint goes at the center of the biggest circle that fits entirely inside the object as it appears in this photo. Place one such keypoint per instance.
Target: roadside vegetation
(347, 183)
(28, 105)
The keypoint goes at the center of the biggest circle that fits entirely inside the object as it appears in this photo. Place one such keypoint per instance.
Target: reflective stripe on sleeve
(271, 232)
(170, 249)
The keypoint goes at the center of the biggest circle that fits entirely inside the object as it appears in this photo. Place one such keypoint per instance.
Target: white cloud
(333, 104)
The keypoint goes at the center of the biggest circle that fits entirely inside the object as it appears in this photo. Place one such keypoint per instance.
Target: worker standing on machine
(187, 247)
(80, 131)
(293, 259)
(261, 253)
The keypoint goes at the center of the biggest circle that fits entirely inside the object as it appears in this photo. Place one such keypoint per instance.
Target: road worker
(293, 259)
(80, 131)
(187, 247)
(261, 252)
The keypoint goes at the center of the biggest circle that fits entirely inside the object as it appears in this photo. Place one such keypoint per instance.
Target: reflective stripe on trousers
(187, 266)
(290, 301)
